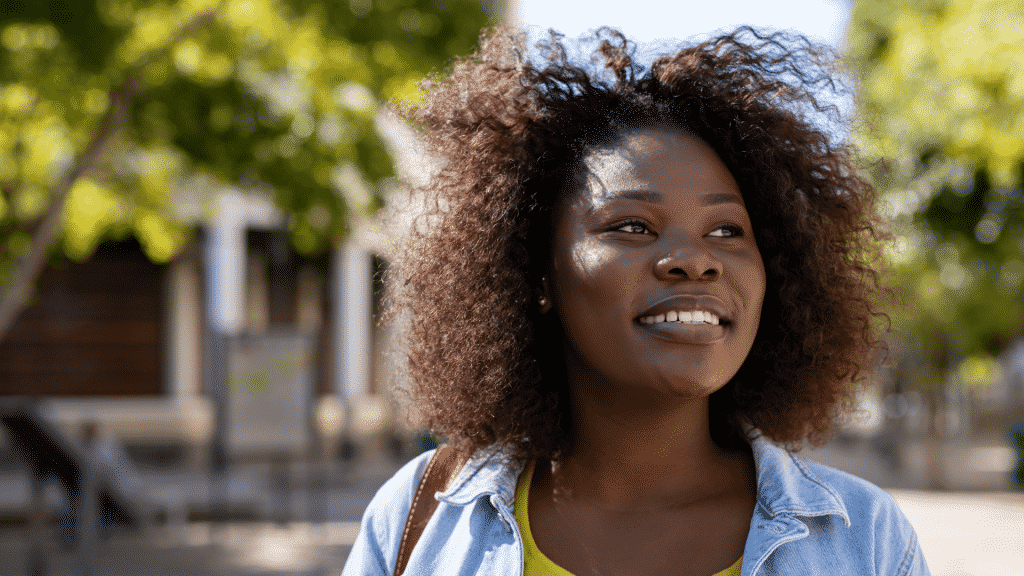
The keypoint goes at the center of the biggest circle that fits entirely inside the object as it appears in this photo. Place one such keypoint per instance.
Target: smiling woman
(637, 283)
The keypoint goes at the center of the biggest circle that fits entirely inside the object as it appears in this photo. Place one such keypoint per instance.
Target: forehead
(666, 160)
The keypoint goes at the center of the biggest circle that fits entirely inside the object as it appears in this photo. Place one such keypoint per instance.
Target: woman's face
(655, 272)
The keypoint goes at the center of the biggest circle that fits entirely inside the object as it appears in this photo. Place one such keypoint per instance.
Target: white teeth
(688, 317)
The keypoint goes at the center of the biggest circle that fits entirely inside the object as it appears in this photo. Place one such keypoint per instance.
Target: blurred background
(198, 197)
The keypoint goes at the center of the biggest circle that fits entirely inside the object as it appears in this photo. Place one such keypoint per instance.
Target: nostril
(710, 272)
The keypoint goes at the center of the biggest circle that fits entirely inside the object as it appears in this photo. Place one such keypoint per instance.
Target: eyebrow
(642, 195)
(720, 198)
(656, 198)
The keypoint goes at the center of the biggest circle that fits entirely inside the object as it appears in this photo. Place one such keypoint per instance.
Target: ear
(544, 296)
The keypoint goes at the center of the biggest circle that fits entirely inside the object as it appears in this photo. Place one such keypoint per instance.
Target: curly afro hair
(484, 366)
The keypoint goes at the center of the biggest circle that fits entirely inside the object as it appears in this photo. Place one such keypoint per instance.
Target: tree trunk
(19, 287)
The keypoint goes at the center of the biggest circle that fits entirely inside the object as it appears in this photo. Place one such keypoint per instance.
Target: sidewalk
(968, 534)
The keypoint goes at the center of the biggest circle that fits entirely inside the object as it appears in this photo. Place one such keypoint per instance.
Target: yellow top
(535, 563)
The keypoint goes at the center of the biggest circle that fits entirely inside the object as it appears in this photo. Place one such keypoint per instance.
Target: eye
(632, 227)
(727, 231)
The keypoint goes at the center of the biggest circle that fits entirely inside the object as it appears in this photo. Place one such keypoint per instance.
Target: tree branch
(25, 275)
(16, 293)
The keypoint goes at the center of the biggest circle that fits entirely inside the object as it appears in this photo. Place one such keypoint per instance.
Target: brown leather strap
(441, 469)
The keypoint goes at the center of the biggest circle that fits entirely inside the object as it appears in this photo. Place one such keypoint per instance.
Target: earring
(543, 301)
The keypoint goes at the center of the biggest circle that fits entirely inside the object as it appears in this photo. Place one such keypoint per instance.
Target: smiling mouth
(692, 317)
(686, 326)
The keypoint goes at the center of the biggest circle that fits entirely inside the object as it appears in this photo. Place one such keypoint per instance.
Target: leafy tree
(943, 89)
(116, 113)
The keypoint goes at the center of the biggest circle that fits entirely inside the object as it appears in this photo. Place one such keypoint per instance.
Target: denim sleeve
(375, 550)
(913, 563)
(367, 555)
(898, 551)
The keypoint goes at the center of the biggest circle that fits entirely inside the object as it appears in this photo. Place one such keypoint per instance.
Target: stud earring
(542, 301)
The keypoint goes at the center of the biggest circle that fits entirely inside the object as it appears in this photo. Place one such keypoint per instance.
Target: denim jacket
(809, 519)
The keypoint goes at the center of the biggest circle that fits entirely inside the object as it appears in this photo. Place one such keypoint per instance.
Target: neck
(629, 448)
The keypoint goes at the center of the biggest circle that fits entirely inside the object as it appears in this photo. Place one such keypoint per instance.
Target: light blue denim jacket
(810, 519)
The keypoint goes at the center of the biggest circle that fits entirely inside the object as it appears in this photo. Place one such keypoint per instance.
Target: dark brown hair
(485, 367)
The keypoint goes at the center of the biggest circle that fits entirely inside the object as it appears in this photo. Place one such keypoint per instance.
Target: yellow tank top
(535, 563)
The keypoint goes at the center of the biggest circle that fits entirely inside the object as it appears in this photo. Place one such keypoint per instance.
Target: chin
(691, 389)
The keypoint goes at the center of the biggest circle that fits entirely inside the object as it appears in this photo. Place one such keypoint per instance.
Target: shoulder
(845, 520)
(394, 497)
(384, 519)
(876, 528)
(788, 482)
(455, 529)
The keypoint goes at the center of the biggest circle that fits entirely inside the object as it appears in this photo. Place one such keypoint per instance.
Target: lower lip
(683, 333)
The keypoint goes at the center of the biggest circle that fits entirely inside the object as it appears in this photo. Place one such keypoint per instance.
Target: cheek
(752, 285)
(761, 284)
(592, 270)
(748, 278)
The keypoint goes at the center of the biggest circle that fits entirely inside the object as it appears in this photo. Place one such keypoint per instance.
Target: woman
(633, 285)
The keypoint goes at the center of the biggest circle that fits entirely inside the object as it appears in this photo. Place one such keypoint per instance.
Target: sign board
(270, 388)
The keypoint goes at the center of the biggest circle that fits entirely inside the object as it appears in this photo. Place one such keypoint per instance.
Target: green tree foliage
(943, 90)
(115, 114)
(274, 93)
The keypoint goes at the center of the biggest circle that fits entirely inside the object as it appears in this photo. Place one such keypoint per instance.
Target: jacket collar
(786, 486)
(490, 471)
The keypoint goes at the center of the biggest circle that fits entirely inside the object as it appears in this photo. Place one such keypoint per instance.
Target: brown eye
(633, 227)
(727, 231)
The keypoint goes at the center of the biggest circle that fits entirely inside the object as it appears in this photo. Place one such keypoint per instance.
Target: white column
(225, 264)
(183, 330)
(224, 253)
(351, 284)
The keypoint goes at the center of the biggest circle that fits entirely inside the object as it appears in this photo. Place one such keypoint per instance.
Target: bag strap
(441, 469)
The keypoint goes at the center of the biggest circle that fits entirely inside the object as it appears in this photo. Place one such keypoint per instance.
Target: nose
(687, 260)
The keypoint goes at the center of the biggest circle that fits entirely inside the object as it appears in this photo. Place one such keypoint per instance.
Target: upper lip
(689, 302)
